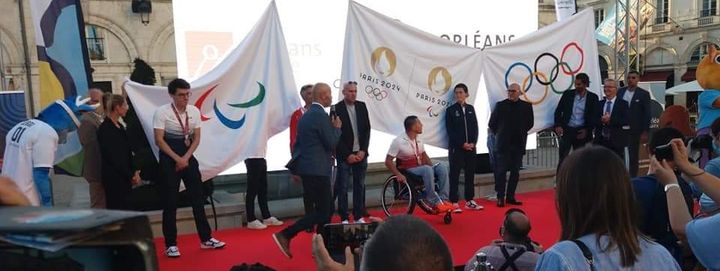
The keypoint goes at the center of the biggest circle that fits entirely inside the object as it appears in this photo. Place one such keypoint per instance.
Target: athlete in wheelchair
(416, 180)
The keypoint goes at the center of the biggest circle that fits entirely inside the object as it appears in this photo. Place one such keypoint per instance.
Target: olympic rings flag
(544, 64)
(403, 71)
(244, 100)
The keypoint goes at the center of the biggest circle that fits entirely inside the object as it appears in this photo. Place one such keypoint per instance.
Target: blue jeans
(344, 170)
(429, 175)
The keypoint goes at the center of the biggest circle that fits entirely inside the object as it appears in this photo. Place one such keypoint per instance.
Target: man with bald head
(89, 124)
(318, 134)
(510, 122)
(515, 251)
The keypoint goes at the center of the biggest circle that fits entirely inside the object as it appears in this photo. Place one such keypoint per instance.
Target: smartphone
(337, 236)
(664, 152)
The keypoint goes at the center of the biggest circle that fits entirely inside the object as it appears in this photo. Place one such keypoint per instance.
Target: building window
(95, 42)
(708, 8)
(700, 52)
(599, 17)
(662, 11)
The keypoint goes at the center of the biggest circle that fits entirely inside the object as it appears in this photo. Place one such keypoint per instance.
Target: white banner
(403, 71)
(565, 9)
(545, 64)
(246, 99)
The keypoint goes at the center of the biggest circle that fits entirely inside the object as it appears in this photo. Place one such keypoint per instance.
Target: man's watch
(668, 186)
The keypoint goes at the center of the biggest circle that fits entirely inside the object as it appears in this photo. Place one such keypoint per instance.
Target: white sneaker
(345, 222)
(212, 244)
(472, 205)
(456, 208)
(256, 225)
(361, 220)
(172, 252)
(272, 221)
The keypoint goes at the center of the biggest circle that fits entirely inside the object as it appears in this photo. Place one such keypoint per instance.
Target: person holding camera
(700, 234)
(654, 220)
(707, 205)
(515, 251)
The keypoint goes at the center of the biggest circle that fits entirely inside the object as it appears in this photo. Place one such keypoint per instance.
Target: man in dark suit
(575, 116)
(351, 153)
(318, 134)
(510, 122)
(613, 119)
(462, 128)
(638, 100)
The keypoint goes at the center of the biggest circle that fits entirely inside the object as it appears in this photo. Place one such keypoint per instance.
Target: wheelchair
(401, 197)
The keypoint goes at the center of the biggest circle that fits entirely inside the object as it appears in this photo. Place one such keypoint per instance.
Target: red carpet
(468, 232)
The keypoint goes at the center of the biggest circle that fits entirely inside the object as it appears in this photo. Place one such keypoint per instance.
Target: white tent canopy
(686, 87)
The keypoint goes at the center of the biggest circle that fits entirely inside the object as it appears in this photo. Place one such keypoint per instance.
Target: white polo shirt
(408, 152)
(29, 144)
(165, 119)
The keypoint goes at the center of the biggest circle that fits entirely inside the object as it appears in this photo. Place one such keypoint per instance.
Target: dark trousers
(116, 193)
(318, 190)
(461, 159)
(607, 143)
(344, 170)
(569, 140)
(256, 187)
(633, 149)
(507, 161)
(169, 185)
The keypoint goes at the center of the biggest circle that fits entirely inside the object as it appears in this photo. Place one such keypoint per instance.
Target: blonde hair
(111, 101)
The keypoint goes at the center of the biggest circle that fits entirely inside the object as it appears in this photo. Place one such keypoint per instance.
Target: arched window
(603, 67)
(95, 39)
(700, 51)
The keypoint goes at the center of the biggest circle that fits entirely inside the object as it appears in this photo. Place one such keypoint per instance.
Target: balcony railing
(662, 27)
(702, 21)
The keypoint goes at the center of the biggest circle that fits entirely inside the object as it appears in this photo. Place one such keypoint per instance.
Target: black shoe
(500, 202)
(283, 244)
(514, 202)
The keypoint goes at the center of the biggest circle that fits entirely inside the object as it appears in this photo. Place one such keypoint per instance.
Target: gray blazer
(315, 144)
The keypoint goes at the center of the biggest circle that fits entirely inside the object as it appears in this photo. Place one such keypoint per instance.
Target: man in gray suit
(87, 132)
(317, 137)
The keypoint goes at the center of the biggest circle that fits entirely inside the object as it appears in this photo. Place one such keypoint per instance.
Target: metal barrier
(546, 154)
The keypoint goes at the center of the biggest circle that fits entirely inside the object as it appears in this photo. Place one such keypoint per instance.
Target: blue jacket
(315, 143)
(462, 127)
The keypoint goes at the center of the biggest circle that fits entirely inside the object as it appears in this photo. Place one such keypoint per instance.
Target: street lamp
(144, 7)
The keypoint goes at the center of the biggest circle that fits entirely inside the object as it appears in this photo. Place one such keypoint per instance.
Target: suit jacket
(117, 155)
(316, 141)
(345, 146)
(510, 122)
(87, 132)
(462, 127)
(564, 110)
(639, 110)
(618, 119)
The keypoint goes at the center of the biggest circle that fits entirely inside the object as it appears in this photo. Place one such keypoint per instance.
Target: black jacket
(461, 127)
(618, 119)
(117, 156)
(639, 114)
(564, 110)
(510, 122)
(345, 145)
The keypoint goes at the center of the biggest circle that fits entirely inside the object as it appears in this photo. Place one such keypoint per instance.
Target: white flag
(402, 71)
(545, 64)
(244, 100)
(565, 9)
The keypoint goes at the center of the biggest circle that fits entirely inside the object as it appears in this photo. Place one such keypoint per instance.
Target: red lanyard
(416, 150)
(185, 128)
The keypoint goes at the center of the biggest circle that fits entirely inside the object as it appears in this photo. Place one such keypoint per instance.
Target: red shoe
(443, 207)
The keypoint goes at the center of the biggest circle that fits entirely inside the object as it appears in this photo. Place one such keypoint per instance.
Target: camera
(338, 236)
(664, 152)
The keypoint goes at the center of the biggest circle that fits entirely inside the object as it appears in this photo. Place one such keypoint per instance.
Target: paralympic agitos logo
(227, 122)
(545, 79)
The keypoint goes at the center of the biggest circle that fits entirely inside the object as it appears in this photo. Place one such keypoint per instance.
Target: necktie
(608, 107)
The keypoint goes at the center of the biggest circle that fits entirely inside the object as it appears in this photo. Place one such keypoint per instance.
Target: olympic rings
(542, 78)
(582, 58)
(507, 73)
(376, 93)
(524, 94)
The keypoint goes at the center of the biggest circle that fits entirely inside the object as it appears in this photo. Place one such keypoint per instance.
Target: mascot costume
(708, 76)
(31, 145)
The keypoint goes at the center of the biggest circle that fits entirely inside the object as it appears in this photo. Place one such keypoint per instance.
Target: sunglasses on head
(352, 83)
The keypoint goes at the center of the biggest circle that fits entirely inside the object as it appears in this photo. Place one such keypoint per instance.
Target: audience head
(633, 77)
(349, 92)
(413, 124)
(115, 104)
(306, 94)
(582, 81)
(514, 92)
(461, 93)
(179, 90)
(678, 117)
(515, 227)
(321, 94)
(594, 196)
(610, 88)
(408, 243)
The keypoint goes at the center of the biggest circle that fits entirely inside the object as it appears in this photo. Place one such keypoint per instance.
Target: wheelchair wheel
(397, 197)
(447, 218)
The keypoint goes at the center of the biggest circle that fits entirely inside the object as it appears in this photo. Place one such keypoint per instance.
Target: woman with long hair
(118, 175)
(597, 210)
